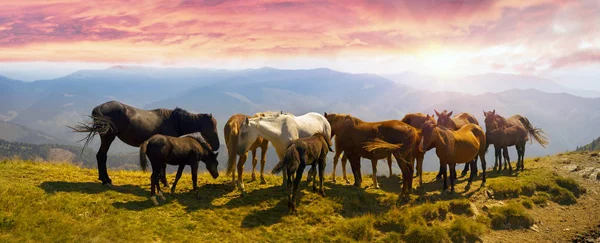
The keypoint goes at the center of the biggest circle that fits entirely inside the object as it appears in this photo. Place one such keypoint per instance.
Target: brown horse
(506, 136)
(302, 152)
(185, 150)
(231, 131)
(133, 126)
(375, 141)
(455, 147)
(493, 122)
(417, 120)
(446, 120)
(534, 133)
(336, 128)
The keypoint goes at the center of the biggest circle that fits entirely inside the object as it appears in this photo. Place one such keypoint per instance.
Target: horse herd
(178, 137)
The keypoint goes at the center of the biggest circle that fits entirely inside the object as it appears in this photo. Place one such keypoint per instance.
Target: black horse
(185, 150)
(299, 154)
(134, 126)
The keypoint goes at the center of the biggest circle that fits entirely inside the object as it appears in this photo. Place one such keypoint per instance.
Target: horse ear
(436, 112)
(483, 113)
(217, 154)
(210, 115)
(247, 121)
(494, 112)
(324, 113)
(280, 112)
(449, 114)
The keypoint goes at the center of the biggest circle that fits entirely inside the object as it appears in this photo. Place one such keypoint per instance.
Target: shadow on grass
(207, 193)
(90, 188)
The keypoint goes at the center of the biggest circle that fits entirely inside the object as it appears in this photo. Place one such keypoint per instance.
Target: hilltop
(552, 200)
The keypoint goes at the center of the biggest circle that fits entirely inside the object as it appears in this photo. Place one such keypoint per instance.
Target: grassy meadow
(41, 202)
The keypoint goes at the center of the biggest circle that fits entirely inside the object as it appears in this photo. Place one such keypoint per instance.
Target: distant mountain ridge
(50, 105)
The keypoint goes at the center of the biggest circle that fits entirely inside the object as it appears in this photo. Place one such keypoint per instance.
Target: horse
(231, 131)
(185, 150)
(336, 157)
(375, 141)
(302, 152)
(455, 147)
(417, 120)
(455, 123)
(493, 122)
(509, 136)
(280, 129)
(534, 133)
(133, 126)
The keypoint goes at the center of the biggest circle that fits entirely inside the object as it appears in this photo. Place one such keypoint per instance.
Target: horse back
(312, 123)
(463, 119)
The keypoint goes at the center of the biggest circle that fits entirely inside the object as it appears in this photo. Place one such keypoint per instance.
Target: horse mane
(341, 117)
(198, 136)
(182, 114)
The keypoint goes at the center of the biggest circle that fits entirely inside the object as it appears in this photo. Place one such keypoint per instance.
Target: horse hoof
(322, 193)
(172, 191)
(153, 199)
(333, 181)
(377, 187)
(263, 181)
(348, 182)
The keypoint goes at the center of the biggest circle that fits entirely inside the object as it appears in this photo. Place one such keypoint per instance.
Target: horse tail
(328, 142)
(535, 132)
(231, 137)
(99, 124)
(143, 160)
(291, 161)
(480, 134)
(379, 144)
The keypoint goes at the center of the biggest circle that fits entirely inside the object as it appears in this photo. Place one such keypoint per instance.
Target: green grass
(66, 203)
(511, 216)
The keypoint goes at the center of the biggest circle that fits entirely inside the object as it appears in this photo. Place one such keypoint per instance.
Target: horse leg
(483, 167)
(440, 173)
(507, 160)
(523, 155)
(389, 160)
(465, 170)
(336, 158)
(311, 177)
(163, 176)
(263, 161)
(406, 170)
(321, 175)
(420, 158)
(355, 165)
(344, 163)
(497, 158)
(445, 175)
(374, 176)
(153, 185)
(240, 170)
(194, 166)
(101, 157)
(177, 177)
(297, 180)
(157, 182)
(452, 177)
(254, 162)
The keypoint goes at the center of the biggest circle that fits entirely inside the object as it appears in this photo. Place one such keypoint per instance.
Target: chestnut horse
(506, 136)
(455, 147)
(231, 131)
(417, 120)
(455, 123)
(375, 141)
(335, 128)
(534, 133)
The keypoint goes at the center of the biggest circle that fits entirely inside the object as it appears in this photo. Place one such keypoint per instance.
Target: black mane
(198, 136)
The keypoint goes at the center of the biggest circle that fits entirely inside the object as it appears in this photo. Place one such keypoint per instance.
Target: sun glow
(443, 64)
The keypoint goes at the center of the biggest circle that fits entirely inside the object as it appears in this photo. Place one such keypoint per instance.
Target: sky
(445, 38)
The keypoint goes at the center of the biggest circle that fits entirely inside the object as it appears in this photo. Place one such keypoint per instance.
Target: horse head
(248, 134)
(427, 135)
(444, 118)
(212, 164)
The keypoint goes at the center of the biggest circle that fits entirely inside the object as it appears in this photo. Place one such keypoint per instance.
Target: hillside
(65, 153)
(18, 133)
(549, 201)
(594, 145)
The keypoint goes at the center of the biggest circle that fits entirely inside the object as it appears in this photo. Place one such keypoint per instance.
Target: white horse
(280, 129)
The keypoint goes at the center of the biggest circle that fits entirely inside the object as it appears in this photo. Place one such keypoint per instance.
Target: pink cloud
(185, 30)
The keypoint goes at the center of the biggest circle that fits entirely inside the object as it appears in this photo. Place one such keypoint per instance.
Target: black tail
(98, 125)
(535, 132)
(291, 161)
(143, 160)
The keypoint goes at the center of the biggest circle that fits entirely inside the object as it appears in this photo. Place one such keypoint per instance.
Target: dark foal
(185, 150)
(302, 152)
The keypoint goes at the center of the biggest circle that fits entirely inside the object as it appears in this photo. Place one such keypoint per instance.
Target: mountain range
(568, 116)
